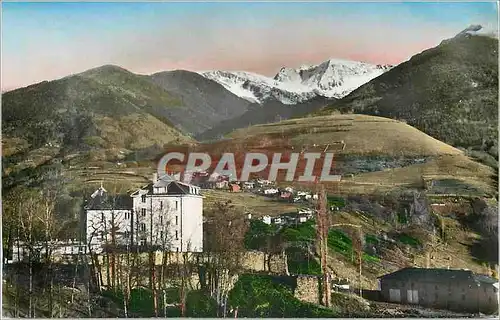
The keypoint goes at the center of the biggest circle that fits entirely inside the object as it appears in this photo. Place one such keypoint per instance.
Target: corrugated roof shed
(437, 275)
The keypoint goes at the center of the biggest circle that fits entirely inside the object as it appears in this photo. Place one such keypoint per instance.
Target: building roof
(177, 187)
(164, 181)
(438, 275)
(148, 188)
(173, 186)
(485, 279)
(102, 200)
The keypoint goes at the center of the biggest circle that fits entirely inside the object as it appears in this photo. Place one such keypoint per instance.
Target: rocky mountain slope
(380, 154)
(267, 112)
(333, 78)
(98, 115)
(104, 107)
(112, 107)
(205, 103)
(450, 92)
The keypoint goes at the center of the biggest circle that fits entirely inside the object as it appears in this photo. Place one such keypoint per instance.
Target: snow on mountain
(332, 79)
(257, 88)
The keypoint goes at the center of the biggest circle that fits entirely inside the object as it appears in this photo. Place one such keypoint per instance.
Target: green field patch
(406, 239)
(304, 232)
(300, 262)
(334, 201)
(371, 239)
(339, 242)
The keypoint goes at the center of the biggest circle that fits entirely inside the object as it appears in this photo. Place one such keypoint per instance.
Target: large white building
(108, 220)
(165, 214)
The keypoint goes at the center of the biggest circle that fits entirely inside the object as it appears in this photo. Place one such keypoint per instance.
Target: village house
(306, 212)
(455, 290)
(302, 218)
(289, 218)
(59, 250)
(207, 180)
(108, 220)
(297, 199)
(278, 220)
(221, 184)
(285, 195)
(264, 182)
(233, 187)
(165, 214)
(206, 184)
(248, 185)
(266, 219)
(341, 285)
(271, 191)
(302, 193)
(200, 179)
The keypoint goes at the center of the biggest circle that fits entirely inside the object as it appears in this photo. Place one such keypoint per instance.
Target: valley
(415, 145)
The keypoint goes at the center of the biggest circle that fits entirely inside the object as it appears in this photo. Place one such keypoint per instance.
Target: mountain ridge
(449, 92)
(333, 78)
(88, 110)
(205, 102)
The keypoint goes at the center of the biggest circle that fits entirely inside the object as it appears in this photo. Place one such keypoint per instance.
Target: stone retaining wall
(307, 288)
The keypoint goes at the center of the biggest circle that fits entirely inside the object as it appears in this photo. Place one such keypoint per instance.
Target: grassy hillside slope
(449, 92)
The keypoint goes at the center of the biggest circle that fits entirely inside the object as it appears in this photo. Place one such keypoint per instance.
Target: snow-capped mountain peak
(333, 78)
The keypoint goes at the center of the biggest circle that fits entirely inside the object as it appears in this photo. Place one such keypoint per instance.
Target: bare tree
(185, 270)
(30, 231)
(225, 251)
(358, 243)
(49, 225)
(164, 237)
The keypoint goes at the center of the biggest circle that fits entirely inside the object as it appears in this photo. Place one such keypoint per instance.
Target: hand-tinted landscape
(405, 96)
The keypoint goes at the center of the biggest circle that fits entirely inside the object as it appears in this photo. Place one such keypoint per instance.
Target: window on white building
(143, 227)
(176, 235)
(143, 212)
(161, 219)
(161, 235)
(127, 215)
(143, 198)
(176, 220)
(176, 205)
(161, 205)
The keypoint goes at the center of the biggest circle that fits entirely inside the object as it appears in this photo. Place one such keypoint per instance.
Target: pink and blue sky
(45, 41)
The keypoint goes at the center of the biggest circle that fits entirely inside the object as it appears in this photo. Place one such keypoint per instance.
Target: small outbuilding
(455, 290)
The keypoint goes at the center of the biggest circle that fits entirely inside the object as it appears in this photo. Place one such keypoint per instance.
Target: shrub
(300, 262)
(198, 304)
(266, 296)
(259, 235)
(94, 141)
(141, 302)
